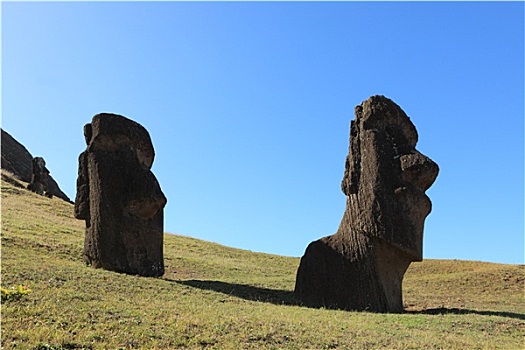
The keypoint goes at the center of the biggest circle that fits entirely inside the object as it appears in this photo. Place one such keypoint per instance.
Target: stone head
(386, 177)
(112, 133)
(39, 165)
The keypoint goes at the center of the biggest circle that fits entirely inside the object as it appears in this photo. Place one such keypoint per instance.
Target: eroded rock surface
(361, 267)
(119, 198)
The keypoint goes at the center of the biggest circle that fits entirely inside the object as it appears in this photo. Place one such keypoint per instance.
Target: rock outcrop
(119, 198)
(361, 267)
(17, 160)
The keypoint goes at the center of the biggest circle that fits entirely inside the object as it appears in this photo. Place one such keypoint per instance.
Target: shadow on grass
(274, 296)
(456, 311)
(283, 297)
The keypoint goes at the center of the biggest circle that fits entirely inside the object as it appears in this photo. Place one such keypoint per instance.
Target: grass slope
(215, 297)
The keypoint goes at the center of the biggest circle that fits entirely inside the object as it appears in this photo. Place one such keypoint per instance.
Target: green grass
(215, 297)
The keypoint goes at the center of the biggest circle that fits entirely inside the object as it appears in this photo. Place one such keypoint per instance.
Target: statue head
(386, 177)
(112, 133)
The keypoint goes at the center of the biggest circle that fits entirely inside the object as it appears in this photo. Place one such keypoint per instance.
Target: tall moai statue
(39, 177)
(361, 267)
(119, 198)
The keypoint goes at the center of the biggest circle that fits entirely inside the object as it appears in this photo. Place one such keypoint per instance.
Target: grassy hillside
(215, 297)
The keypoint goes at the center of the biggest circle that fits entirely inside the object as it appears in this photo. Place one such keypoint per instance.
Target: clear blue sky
(249, 105)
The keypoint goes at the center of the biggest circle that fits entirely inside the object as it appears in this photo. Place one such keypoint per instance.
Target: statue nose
(418, 170)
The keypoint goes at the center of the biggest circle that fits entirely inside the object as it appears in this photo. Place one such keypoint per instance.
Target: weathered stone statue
(39, 177)
(119, 198)
(361, 267)
(16, 159)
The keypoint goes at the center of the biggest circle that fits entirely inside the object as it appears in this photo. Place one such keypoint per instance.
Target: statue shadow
(283, 297)
(457, 311)
(247, 292)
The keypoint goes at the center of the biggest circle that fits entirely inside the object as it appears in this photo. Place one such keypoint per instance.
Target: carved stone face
(361, 266)
(418, 172)
(386, 177)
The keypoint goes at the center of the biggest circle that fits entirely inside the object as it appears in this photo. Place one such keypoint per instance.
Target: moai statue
(39, 177)
(119, 198)
(361, 267)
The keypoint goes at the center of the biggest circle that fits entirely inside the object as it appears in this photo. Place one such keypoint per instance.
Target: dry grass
(216, 297)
